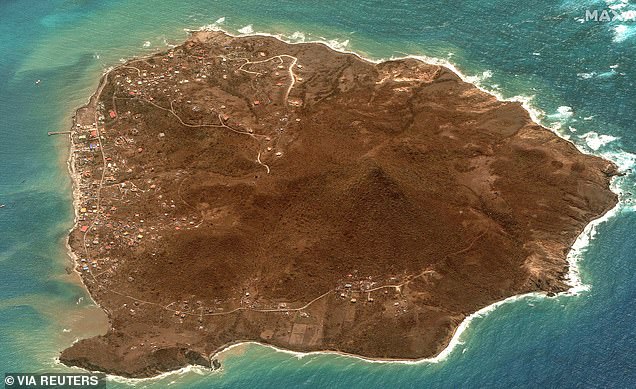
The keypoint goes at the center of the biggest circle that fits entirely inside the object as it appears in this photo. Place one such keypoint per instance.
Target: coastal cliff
(242, 188)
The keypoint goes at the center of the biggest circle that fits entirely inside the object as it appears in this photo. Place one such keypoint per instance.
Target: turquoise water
(581, 75)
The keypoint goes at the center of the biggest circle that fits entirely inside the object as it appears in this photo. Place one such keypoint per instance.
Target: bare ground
(248, 189)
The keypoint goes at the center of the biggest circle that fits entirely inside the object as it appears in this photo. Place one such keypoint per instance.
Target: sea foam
(246, 30)
(595, 141)
(622, 32)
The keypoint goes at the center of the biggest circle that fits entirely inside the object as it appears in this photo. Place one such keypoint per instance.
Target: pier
(58, 133)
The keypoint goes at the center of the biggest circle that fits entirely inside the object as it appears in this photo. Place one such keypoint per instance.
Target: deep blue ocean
(578, 74)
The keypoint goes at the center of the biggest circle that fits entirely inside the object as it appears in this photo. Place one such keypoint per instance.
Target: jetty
(58, 133)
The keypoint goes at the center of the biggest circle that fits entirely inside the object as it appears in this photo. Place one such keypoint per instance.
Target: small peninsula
(239, 189)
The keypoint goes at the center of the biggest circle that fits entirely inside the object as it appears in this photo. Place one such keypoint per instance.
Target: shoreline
(76, 196)
(573, 279)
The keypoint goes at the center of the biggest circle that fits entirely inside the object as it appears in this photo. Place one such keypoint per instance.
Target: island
(245, 189)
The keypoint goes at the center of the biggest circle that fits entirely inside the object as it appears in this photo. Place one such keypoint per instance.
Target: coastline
(576, 284)
(573, 257)
(75, 180)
